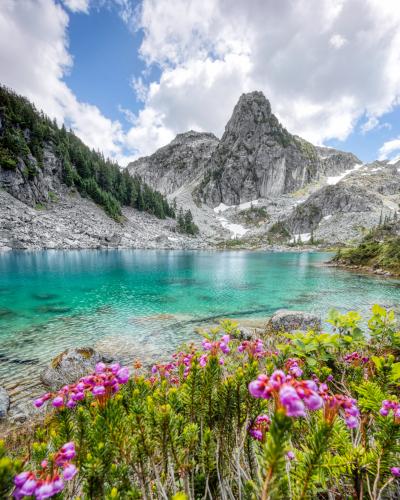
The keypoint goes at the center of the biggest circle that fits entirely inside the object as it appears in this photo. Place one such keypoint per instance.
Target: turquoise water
(139, 304)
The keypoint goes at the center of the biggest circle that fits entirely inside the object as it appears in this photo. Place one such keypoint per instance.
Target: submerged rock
(4, 402)
(289, 321)
(71, 365)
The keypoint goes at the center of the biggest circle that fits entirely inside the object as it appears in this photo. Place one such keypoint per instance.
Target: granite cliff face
(181, 162)
(257, 157)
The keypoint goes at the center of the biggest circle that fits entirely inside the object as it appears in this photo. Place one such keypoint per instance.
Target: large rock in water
(290, 321)
(4, 402)
(71, 365)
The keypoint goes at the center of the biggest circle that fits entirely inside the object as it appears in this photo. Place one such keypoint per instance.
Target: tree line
(24, 133)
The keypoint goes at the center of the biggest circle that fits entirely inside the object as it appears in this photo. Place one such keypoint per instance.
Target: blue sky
(128, 75)
(106, 59)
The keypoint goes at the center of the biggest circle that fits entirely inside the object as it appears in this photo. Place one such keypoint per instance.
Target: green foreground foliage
(182, 431)
(26, 133)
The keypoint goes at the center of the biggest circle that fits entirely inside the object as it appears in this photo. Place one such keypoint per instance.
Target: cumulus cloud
(323, 63)
(388, 148)
(77, 5)
(38, 30)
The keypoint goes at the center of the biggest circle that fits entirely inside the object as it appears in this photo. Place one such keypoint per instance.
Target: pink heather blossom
(100, 368)
(254, 348)
(98, 390)
(115, 367)
(292, 366)
(28, 487)
(290, 455)
(20, 479)
(292, 394)
(44, 490)
(395, 471)
(203, 360)
(355, 358)
(69, 472)
(58, 402)
(123, 375)
(333, 404)
(105, 381)
(259, 427)
(390, 405)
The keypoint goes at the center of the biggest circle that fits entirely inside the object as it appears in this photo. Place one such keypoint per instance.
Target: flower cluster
(104, 382)
(388, 405)
(259, 427)
(214, 349)
(254, 348)
(356, 359)
(292, 395)
(48, 481)
(184, 359)
(164, 370)
(336, 402)
(292, 366)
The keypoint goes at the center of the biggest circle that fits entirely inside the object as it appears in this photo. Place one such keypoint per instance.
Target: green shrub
(321, 421)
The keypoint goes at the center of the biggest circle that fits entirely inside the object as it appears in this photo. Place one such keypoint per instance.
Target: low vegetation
(285, 416)
(185, 223)
(379, 249)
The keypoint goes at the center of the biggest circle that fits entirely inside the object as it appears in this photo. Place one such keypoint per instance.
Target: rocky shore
(16, 408)
(71, 222)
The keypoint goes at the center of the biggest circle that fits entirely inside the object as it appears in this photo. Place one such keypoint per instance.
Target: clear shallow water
(144, 303)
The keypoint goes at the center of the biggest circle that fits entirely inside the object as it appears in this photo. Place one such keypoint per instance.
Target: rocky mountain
(57, 193)
(258, 158)
(263, 185)
(255, 158)
(181, 162)
(258, 184)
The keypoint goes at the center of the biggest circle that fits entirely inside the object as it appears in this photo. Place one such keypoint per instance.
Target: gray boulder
(71, 365)
(4, 402)
(290, 321)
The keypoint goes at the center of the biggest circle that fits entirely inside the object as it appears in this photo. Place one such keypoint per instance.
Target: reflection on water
(139, 304)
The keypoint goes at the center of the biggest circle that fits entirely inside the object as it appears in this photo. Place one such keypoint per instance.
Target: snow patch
(337, 178)
(394, 160)
(236, 229)
(243, 206)
(304, 237)
(327, 217)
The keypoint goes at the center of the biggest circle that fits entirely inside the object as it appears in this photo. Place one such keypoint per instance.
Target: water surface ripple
(143, 303)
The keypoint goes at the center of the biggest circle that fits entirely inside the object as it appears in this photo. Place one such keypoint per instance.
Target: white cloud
(337, 41)
(211, 51)
(77, 5)
(208, 52)
(35, 63)
(389, 147)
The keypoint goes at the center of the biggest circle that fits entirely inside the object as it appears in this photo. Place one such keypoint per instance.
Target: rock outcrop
(179, 163)
(69, 366)
(4, 403)
(257, 157)
(290, 321)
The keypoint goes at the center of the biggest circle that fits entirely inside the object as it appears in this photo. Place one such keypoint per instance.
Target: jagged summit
(255, 158)
(192, 135)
